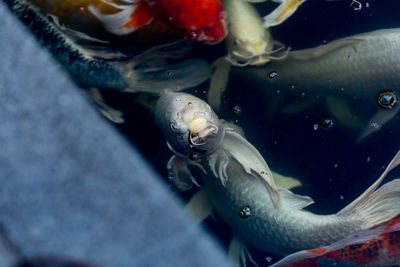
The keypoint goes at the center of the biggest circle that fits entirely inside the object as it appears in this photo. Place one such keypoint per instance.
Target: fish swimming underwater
(362, 66)
(248, 43)
(241, 188)
(378, 246)
(200, 21)
(76, 15)
(149, 71)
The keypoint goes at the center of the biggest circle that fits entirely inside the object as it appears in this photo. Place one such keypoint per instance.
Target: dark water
(332, 166)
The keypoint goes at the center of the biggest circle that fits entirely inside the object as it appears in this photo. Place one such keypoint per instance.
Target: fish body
(200, 21)
(358, 67)
(377, 246)
(146, 72)
(247, 42)
(360, 64)
(76, 14)
(242, 190)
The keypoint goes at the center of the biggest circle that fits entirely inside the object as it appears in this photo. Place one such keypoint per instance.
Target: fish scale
(279, 232)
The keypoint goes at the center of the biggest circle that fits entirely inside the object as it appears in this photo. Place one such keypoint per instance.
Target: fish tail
(129, 18)
(375, 206)
(162, 68)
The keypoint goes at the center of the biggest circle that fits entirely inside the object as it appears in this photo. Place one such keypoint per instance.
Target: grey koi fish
(241, 188)
(146, 72)
(361, 66)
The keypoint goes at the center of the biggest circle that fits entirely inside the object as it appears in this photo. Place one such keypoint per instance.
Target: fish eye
(236, 42)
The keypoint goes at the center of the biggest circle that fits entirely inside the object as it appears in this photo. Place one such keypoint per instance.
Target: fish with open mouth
(241, 188)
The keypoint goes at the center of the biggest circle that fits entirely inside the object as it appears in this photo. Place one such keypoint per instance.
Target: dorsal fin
(251, 161)
(316, 52)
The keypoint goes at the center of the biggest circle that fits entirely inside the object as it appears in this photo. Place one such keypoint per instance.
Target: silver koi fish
(240, 186)
(362, 65)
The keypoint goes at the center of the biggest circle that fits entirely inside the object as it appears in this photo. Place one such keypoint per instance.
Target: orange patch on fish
(141, 16)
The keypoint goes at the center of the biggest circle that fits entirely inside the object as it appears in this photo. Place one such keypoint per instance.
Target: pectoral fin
(251, 160)
(218, 82)
(127, 20)
(291, 200)
(380, 118)
(286, 181)
(282, 12)
(200, 206)
(179, 173)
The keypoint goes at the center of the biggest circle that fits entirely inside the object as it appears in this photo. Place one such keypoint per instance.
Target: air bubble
(244, 212)
(387, 99)
(273, 74)
(237, 109)
(326, 122)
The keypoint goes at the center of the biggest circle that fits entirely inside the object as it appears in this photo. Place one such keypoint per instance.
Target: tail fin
(161, 68)
(377, 205)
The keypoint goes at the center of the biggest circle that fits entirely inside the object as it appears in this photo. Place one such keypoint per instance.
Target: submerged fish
(241, 188)
(76, 14)
(149, 71)
(248, 43)
(201, 21)
(359, 66)
(377, 246)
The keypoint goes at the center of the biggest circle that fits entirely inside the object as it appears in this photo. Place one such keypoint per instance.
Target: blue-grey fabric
(70, 184)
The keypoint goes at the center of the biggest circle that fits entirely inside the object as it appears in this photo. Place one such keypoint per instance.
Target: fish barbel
(378, 246)
(241, 188)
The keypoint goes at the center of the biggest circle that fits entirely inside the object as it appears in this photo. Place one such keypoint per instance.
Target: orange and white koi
(200, 21)
(377, 246)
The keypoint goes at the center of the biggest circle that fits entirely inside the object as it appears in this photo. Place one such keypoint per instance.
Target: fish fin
(286, 181)
(238, 253)
(153, 71)
(251, 161)
(179, 173)
(114, 115)
(127, 20)
(380, 118)
(341, 111)
(298, 106)
(218, 82)
(305, 257)
(234, 126)
(200, 206)
(291, 200)
(377, 205)
(316, 52)
(282, 12)
(93, 47)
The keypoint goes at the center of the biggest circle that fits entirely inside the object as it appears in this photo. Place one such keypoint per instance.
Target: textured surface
(71, 186)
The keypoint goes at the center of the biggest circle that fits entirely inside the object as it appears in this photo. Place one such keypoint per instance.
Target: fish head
(198, 21)
(189, 124)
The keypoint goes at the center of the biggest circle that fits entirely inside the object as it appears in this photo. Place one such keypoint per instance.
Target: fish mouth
(202, 141)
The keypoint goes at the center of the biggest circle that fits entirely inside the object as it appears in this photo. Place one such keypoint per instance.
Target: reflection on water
(334, 128)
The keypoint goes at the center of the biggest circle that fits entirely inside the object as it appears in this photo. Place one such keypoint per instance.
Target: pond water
(293, 127)
(303, 130)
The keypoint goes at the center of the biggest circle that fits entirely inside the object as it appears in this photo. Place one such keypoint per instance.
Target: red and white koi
(377, 246)
(199, 21)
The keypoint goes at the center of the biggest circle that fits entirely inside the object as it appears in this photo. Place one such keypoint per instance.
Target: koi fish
(199, 21)
(241, 188)
(377, 246)
(76, 14)
(148, 71)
